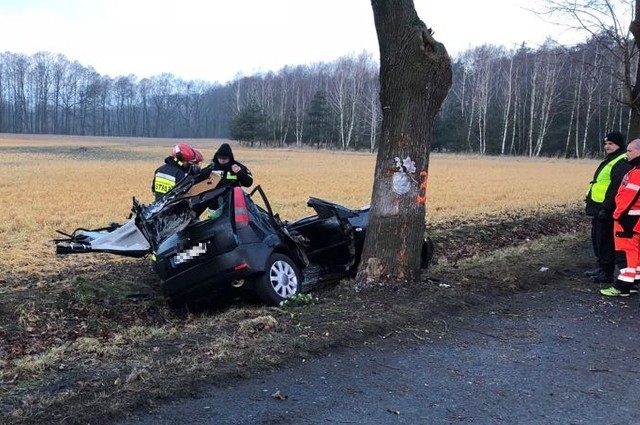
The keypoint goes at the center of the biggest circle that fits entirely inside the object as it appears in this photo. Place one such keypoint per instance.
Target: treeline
(550, 101)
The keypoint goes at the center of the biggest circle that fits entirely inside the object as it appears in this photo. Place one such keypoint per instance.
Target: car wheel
(281, 280)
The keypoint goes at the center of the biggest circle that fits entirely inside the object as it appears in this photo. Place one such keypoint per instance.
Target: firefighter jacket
(627, 201)
(606, 180)
(229, 178)
(167, 175)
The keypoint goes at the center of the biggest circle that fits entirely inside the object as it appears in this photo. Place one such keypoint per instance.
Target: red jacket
(628, 199)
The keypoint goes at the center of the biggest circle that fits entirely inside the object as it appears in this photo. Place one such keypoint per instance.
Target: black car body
(204, 238)
(241, 244)
(333, 237)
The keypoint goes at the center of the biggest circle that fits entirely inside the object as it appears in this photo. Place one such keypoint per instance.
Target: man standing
(626, 227)
(600, 205)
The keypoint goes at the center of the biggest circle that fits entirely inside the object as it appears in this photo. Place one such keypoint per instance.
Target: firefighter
(600, 204)
(626, 227)
(231, 171)
(183, 159)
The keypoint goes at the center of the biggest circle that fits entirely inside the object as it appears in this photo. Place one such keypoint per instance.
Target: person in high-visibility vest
(231, 171)
(183, 159)
(626, 227)
(600, 205)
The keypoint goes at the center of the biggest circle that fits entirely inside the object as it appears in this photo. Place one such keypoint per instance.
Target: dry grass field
(51, 183)
(74, 347)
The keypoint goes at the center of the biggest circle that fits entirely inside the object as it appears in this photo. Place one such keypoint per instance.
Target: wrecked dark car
(204, 239)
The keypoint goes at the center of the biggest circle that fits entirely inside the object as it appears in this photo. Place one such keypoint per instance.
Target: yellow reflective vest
(600, 184)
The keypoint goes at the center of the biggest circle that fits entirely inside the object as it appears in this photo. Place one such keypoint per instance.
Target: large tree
(415, 77)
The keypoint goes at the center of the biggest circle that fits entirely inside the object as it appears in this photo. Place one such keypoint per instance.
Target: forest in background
(551, 101)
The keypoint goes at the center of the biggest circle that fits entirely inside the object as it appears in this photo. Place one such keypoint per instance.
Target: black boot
(602, 277)
(592, 273)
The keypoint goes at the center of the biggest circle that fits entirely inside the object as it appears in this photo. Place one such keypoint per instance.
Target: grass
(68, 183)
(75, 337)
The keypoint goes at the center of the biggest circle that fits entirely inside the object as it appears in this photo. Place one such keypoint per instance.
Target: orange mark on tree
(422, 197)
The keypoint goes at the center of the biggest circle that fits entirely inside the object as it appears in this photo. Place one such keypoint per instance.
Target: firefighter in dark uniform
(600, 205)
(230, 171)
(183, 159)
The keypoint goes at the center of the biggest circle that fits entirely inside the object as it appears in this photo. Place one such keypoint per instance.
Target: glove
(604, 215)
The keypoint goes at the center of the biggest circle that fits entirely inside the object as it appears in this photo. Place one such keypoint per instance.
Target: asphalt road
(564, 355)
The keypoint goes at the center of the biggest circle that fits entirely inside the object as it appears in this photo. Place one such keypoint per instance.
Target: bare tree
(345, 89)
(517, 101)
(575, 109)
(551, 69)
(590, 83)
(42, 80)
(483, 91)
(17, 70)
(299, 106)
(468, 96)
(415, 77)
(125, 111)
(372, 93)
(604, 21)
(507, 96)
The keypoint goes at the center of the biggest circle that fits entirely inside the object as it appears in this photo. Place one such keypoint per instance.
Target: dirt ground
(478, 263)
(556, 353)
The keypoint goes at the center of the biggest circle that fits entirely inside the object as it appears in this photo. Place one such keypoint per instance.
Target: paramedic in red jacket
(626, 227)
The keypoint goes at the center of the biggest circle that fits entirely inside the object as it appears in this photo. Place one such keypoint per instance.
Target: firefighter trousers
(628, 254)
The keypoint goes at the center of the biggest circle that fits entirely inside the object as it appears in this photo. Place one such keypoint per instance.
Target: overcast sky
(216, 40)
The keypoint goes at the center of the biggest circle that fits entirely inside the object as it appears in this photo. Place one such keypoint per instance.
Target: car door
(328, 235)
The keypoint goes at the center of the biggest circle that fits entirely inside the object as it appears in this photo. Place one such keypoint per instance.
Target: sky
(219, 40)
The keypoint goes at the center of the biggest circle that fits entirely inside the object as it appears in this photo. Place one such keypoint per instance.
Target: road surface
(564, 355)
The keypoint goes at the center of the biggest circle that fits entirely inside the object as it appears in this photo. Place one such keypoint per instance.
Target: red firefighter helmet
(183, 152)
(199, 158)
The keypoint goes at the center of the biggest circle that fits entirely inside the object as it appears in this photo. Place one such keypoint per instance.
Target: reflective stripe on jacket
(163, 183)
(627, 210)
(166, 177)
(627, 198)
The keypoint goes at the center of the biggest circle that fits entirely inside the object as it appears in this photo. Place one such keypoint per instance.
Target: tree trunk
(415, 77)
(505, 116)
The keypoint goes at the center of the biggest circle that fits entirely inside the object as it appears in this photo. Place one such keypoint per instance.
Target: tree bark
(415, 77)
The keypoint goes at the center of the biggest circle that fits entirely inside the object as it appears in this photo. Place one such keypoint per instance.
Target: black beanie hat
(617, 138)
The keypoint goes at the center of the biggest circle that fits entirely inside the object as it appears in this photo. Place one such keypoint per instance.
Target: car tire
(282, 279)
(426, 256)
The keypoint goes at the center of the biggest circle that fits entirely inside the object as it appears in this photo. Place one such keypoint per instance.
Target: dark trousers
(603, 245)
